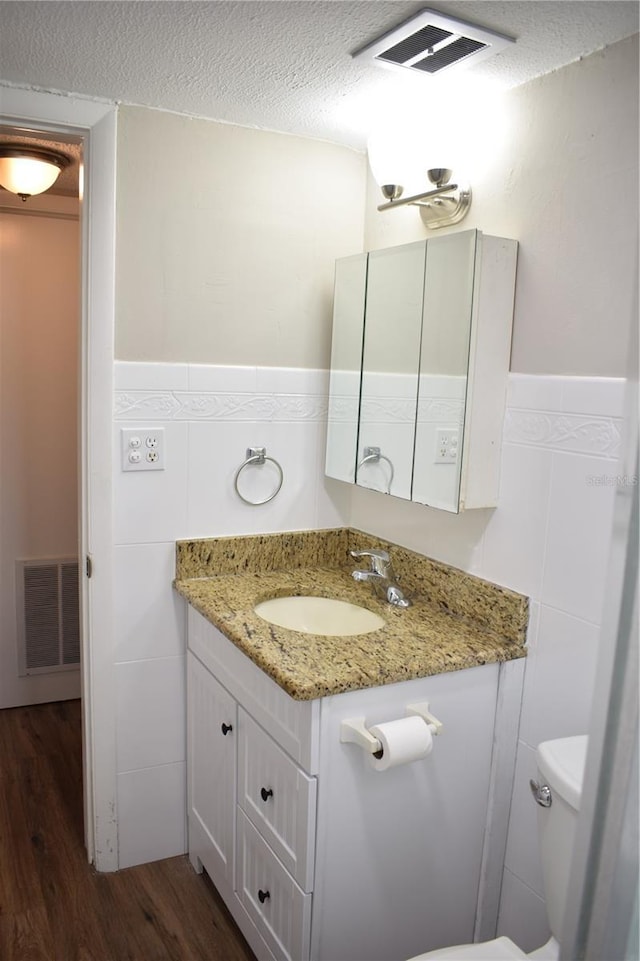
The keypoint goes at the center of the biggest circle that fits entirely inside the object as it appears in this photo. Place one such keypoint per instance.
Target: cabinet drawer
(278, 798)
(277, 906)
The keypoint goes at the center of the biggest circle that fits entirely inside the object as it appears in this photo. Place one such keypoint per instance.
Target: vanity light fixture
(397, 150)
(26, 171)
(428, 45)
(447, 203)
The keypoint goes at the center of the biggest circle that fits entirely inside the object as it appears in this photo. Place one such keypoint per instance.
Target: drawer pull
(263, 896)
(266, 793)
(225, 728)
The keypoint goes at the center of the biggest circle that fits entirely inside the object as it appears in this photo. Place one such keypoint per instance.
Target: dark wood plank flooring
(53, 905)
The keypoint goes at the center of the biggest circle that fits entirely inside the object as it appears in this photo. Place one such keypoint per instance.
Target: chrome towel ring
(372, 455)
(257, 455)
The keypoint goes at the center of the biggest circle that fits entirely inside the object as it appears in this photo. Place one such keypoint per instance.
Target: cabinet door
(444, 369)
(212, 724)
(346, 367)
(393, 321)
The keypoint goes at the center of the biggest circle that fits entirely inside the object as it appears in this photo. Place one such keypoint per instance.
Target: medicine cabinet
(419, 363)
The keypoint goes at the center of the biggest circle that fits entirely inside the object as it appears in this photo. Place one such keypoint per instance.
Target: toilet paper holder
(353, 730)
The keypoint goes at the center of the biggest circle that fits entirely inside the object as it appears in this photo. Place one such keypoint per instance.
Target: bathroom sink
(319, 615)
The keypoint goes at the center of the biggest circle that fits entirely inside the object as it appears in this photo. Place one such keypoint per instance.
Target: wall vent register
(48, 615)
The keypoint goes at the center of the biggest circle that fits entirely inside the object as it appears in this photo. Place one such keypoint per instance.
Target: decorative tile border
(219, 406)
(391, 410)
(573, 433)
(543, 411)
(437, 410)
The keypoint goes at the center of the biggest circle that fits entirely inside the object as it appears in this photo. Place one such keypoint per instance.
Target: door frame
(95, 122)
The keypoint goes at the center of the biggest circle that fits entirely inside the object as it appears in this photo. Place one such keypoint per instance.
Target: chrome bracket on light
(447, 204)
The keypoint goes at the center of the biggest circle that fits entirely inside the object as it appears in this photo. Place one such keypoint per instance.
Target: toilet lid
(500, 949)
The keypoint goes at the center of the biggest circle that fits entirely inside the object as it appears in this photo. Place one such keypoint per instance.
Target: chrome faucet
(381, 576)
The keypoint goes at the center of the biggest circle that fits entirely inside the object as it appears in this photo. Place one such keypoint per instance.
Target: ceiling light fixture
(26, 171)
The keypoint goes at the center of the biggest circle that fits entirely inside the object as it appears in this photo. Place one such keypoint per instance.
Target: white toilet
(561, 769)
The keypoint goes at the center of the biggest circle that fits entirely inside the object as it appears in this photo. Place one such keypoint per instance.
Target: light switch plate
(142, 448)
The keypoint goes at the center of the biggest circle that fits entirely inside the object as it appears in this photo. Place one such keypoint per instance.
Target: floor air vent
(432, 43)
(48, 615)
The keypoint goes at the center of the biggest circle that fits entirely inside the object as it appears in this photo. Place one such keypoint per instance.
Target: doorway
(92, 124)
(40, 280)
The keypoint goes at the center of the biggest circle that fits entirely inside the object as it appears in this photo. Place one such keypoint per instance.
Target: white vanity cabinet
(251, 803)
(318, 856)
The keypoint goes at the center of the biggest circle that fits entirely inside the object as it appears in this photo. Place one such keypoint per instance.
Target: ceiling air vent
(432, 43)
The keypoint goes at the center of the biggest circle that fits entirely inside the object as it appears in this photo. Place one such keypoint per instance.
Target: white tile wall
(151, 814)
(516, 534)
(151, 712)
(131, 376)
(151, 506)
(210, 415)
(559, 678)
(523, 916)
(216, 452)
(149, 617)
(547, 539)
(578, 535)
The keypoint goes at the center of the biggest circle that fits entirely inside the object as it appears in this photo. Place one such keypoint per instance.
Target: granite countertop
(456, 621)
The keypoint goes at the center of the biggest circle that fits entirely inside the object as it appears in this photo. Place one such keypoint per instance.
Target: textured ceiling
(284, 66)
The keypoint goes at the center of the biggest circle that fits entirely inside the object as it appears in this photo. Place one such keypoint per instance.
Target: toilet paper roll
(405, 740)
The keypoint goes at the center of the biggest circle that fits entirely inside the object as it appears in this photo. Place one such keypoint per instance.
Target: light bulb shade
(393, 157)
(27, 172)
(459, 128)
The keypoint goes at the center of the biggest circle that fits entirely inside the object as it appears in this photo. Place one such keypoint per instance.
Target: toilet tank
(561, 766)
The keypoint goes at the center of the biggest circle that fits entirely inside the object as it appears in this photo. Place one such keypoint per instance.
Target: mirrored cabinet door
(390, 363)
(444, 365)
(430, 324)
(346, 367)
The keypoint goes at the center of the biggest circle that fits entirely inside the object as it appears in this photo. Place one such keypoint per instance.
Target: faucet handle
(380, 560)
(379, 555)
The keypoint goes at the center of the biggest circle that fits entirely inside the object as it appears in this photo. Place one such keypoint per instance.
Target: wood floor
(53, 905)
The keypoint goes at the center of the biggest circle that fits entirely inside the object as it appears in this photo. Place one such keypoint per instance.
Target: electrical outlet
(142, 448)
(447, 445)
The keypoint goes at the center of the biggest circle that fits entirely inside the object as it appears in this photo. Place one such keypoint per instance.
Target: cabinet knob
(266, 793)
(263, 896)
(225, 728)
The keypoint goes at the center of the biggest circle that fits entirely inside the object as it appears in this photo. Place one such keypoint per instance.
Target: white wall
(565, 184)
(549, 536)
(226, 243)
(547, 539)
(227, 238)
(39, 331)
(210, 415)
